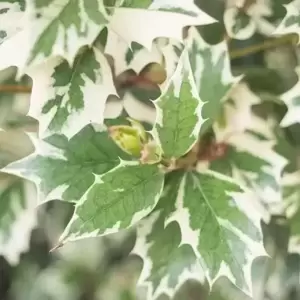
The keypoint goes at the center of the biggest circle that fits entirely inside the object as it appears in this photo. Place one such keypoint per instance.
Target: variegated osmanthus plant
(189, 173)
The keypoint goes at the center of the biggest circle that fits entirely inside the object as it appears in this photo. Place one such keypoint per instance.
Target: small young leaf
(67, 169)
(65, 99)
(168, 262)
(212, 75)
(116, 200)
(178, 113)
(18, 216)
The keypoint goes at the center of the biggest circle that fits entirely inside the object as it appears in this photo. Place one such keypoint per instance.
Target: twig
(272, 43)
(15, 88)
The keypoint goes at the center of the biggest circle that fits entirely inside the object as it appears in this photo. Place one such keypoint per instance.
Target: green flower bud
(139, 127)
(127, 138)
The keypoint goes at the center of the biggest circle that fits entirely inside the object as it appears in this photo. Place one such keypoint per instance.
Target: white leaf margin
(217, 51)
(144, 228)
(67, 237)
(264, 150)
(94, 96)
(183, 70)
(191, 237)
(167, 24)
(18, 167)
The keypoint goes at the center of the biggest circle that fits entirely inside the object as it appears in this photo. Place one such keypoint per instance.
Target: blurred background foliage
(101, 269)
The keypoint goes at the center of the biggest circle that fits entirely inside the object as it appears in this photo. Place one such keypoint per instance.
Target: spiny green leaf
(219, 230)
(179, 114)
(17, 216)
(168, 262)
(65, 99)
(68, 170)
(212, 75)
(116, 200)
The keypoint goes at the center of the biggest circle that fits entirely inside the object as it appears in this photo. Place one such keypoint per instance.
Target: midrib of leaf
(215, 216)
(173, 120)
(92, 162)
(102, 151)
(176, 125)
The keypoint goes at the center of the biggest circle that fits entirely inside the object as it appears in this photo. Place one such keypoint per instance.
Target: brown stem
(271, 43)
(14, 88)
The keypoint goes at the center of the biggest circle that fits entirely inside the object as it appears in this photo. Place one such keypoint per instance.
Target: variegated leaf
(65, 168)
(236, 114)
(254, 163)
(117, 200)
(65, 99)
(179, 118)
(225, 238)
(61, 28)
(170, 19)
(168, 260)
(212, 75)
